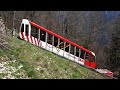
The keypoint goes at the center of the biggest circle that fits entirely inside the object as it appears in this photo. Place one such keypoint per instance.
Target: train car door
(26, 29)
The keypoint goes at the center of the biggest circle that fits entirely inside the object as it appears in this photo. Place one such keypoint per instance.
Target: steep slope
(30, 61)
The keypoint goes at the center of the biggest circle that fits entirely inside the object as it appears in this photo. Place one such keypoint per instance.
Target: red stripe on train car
(31, 39)
(35, 40)
(40, 43)
(22, 35)
(27, 38)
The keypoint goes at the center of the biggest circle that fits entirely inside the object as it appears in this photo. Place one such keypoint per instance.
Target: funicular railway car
(57, 44)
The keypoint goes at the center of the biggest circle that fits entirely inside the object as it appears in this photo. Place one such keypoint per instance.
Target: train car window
(34, 31)
(22, 28)
(55, 41)
(67, 47)
(49, 39)
(77, 52)
(72, 49)
(61, 44)
(93, 58)
(26, 29)
(87, 56)
(82, 54)
(42, 35)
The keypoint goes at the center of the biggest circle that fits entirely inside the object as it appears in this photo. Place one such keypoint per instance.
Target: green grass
(41, 64)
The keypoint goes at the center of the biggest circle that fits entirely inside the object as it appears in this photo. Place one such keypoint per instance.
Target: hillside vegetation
(25, 60)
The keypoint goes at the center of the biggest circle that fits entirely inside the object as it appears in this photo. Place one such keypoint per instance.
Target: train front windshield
(22, 28)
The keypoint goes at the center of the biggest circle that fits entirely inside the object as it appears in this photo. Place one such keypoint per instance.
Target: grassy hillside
(25, 60)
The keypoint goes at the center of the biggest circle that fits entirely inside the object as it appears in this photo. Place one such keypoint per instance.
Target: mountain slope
(38, 63)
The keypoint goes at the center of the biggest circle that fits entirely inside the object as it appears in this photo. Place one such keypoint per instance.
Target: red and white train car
(57, 44)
